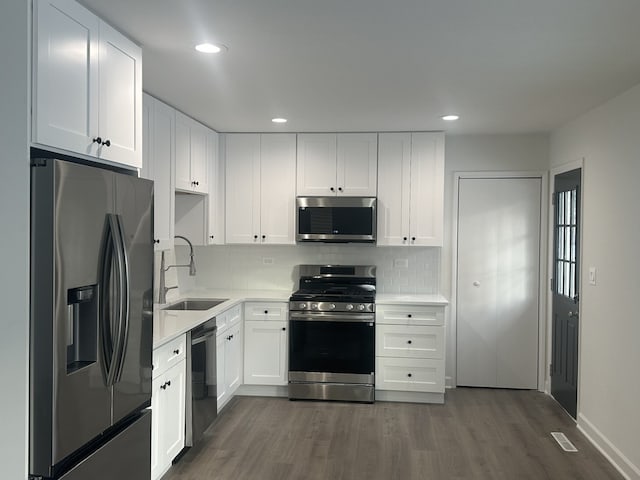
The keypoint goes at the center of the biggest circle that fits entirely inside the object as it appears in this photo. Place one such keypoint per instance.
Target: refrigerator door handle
(107, 302)
(123, 297)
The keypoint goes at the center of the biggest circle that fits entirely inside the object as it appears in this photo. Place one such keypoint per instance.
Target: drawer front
(169, 354)
(410, 374)
(265, 311)
(409, 341)
(228, 318)
(409, 315)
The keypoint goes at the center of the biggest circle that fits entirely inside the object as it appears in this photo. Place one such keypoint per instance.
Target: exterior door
(498, 282)
(566, 277)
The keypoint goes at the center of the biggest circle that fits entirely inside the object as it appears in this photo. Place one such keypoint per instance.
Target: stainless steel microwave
(336, 219)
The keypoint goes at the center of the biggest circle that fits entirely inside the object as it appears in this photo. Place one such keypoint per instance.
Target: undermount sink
(195, 304)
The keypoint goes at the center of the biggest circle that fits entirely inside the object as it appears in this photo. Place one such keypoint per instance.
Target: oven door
(326, 346)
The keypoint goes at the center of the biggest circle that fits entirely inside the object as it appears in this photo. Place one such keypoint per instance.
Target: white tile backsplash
(244, 266)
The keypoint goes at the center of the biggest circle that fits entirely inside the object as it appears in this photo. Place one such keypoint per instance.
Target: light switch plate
(592, 275)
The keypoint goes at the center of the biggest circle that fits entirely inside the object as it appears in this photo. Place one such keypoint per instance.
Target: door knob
(476, 283)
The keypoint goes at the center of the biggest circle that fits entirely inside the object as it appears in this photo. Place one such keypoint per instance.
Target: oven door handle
(331, 317)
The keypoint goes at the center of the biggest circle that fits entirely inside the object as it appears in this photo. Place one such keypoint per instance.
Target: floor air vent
(564, 442)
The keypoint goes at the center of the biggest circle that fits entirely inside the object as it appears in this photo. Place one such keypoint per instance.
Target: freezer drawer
(126, 457)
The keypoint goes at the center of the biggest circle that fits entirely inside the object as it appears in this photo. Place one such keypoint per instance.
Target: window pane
(567, 240)
(572, 290)
(560, 242)
(561, 208)
(568, 204)
(574, 207)
(573, 244)
(567, 276)
(559, 277)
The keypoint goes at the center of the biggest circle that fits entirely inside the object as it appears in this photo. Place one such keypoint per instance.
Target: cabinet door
(394, 172)
(427, 189)
(357, 164)
(120, 107)
(198, 167)
(242, 188)
(65, 76)
(410, 374)
(183, 152)
(168, 427)
(215, 180)
(233, 367)
(158, 151)
(278, 188)
(409, 341)
(316, 164)
(265, 347)
(221, 368)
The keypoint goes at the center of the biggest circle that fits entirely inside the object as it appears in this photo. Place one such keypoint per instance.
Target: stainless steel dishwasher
(202, 392)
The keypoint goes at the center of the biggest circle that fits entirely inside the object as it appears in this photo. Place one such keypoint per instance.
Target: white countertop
(413, 298)
(168, 324)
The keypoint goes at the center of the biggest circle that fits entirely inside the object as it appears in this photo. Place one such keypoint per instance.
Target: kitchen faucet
(163, 289)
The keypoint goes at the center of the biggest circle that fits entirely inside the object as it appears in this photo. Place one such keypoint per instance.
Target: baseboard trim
(263, 390)
(409, 397)
(626, 468)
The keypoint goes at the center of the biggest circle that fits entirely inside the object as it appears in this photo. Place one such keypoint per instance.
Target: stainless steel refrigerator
(91, 323)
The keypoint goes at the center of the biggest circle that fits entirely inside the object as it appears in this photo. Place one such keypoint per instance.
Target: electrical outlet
(401, 263)
(592, 275)
(267, 261)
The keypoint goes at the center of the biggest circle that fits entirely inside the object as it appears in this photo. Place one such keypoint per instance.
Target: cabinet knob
(266, 311)
(332, 189)
(339, 189)
(264, 236)
(409, 342)
(107, 143)
(409, 315)
(413, 239)
(168, 383)
(196, 183)
(405, 238)
(176, 351)
(155, 240)
(255, 237)
(284, 328)
(97, 140)
(211, 237)
(409, 375)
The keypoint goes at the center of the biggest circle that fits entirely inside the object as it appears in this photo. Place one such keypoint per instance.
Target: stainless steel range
(332, 334)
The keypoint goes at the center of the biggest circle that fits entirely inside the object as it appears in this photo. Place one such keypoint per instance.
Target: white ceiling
(505, 66)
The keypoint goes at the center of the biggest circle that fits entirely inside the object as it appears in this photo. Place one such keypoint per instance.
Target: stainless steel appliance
(91, 323)
(336, 219)
(202, 394)
(332, 334)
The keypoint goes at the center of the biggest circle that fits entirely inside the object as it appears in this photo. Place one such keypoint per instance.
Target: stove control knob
(349, 307)
(332, 306)
(314, 306)
(361, 307)
(303, 306)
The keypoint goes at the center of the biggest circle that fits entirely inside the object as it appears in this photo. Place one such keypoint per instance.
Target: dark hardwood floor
(477, 434)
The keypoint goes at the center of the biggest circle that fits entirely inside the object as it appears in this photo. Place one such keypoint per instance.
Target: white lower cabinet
(410, 348)
(228, 354)
(168, 405)
(265, 343)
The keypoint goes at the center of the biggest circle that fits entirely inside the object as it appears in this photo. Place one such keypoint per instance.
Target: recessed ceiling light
(279, 120)
(208, 48)
(450, 118)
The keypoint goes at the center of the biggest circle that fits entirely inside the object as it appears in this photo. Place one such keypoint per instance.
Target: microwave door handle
(123, 297)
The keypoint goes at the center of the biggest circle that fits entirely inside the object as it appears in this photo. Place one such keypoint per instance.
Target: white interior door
(498, 282)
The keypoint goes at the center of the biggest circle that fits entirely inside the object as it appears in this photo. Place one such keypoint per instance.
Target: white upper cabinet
(260, 188)
(215, 177)
(337, 164)
(411, 188)
(191, 155)
(87, 91)
(157, 165)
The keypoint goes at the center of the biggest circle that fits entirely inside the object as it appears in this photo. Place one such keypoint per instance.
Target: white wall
(608, 138)
(14, 240)
(479, 153)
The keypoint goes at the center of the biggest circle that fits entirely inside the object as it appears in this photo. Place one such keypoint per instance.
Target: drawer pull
(409, 315)
(409, 342)
(176, 351)
(409, 375)
(266, 312)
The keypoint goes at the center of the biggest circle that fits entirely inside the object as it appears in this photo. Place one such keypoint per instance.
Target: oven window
(337, 220)
(333, 347)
